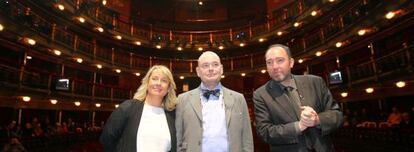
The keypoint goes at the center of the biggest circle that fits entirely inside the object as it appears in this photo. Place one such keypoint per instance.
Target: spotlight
(221, 47)
(301, 60)
(179, 48)
(400, 84)
(296, 24)
(138, 43)
(390, 15)
(338, 44)
(26, 98)
(362, 32)
(77, 103)
(1, 27)
(242, 44)
(181, 77)
(81, 19)
(53, 101)
(369, 90)
(60, 7)
(261, 39)
(263, 71)
(57, 52)
(344, 94)
(137, 74)
(97, 105)
(100, 29)
(319, 53)
(243, 74)
(314, 13)
(99, 66)
(79, 60)
(279, 33)
(158, 46)
(118, 70)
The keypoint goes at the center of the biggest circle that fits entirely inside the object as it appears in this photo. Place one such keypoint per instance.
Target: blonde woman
(146, 122)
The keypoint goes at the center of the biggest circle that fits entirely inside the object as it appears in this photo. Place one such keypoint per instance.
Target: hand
(308, 117)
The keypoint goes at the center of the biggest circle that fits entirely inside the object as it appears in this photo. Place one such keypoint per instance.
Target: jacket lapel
(196, 103)
(228, 104)
(301, 85)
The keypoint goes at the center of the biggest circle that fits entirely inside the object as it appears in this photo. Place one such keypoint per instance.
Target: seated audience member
(14, 146)
(394, 118)
(406, 122)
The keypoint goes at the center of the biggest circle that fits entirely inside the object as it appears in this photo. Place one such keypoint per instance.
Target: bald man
(212, 118)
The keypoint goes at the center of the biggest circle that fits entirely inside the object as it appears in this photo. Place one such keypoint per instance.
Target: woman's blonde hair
(170, 99)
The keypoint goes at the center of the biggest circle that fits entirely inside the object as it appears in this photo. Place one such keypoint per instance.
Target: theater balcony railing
(44, 82)
(396, 62)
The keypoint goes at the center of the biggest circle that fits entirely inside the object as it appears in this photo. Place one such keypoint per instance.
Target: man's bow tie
(207, 93)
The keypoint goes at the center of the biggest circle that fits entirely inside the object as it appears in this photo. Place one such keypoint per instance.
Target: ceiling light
(29, 41)
(242, 44)
(103, 2)
(296, 24)
(279, 33)
(331, 0)
(77, 103)
(28, 57)
(338, 44)
(221, 47)
(263, 71)
(97, 105)
(26, 98)
(158, 46)
(362, 32)
(223, 76)
(57, 52)
(344, 94)
(200, 3)
(400, 84)
(1, 27)
(261, 39)
(100, 29)
(181, 77)
(137, 74)
(138, 43)
(319, 53)
(117, 105)
(119, 37)
(301, 60)
(53, 101)
(200, 49)
(99, 66)
(79, 60)
(179, 48)
(61, 7)
(314, 13)
(390, 15)
(243, 74)
(81, 19)
(369, 90)
(118, 70)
